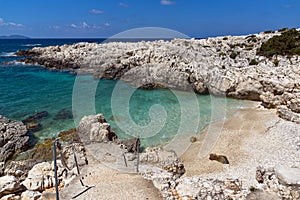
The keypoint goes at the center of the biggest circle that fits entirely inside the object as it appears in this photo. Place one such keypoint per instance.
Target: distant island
(14, 37)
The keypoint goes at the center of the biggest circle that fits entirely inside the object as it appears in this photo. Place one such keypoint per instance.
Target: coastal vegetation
(286, 44)
(253, 62)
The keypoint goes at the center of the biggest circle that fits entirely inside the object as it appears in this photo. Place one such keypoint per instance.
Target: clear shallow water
(26, 90)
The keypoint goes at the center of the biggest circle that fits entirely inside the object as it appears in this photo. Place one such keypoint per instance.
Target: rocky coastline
(92, 140)
(229, 65)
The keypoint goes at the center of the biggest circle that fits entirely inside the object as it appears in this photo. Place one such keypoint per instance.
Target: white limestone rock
(9, 185)
(288, 175)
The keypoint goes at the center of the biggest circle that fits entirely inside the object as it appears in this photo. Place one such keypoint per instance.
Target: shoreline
(259, 141)
(250, 138)
(231, 65)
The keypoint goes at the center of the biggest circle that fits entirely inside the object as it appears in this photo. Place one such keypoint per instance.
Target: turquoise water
(26, 90)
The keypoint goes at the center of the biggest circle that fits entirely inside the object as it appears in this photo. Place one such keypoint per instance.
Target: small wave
(15, 62)
(31, 45)
(7, 54)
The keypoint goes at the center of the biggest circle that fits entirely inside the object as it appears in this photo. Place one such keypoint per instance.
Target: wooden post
(75, 160)
(137, 145)
(55, 169)
(125, 159)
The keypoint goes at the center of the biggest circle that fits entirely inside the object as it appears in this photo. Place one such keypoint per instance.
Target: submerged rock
(33, 126)
(64, 114)
(35, 117)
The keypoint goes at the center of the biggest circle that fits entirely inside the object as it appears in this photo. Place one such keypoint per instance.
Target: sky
(105, 18)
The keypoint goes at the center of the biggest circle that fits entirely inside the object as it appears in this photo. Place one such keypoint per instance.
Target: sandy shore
(252, 137)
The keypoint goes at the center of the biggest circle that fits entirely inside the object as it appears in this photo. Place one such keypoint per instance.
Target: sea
(156, 116)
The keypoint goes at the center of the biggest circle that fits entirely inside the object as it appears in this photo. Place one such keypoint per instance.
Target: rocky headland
(245, 67)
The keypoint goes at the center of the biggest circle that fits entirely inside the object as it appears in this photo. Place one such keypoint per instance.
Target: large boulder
(94, 128)
(288, 114)
(9, 185)
(13, 138)
(288, 175)
(31, 195)
(166, 160)
(41, 176)
(19, 169)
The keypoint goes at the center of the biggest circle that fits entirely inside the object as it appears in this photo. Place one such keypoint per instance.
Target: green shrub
(276, 62)
(222, 54)
(252, 188)
(233, 55)
(251, 38)
(269, 31)
(253, 62)
(283, 29)
(287, 44)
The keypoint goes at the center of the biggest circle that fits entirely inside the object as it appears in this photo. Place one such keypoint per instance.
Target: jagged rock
(259, 175)
(13, 138)
(9, 185)
(199, 188)
(273, 185)
(11, 197)
(19, 169)
(159, 157)
(257, 195)
(33, 126)
(31, 195)
(288, 175)
(129, 144)
(287, 114)
(41, 176)
(94, 128)
(166, 161)
(220, 67)
(67, 155)
(220, 158)
(2, 168)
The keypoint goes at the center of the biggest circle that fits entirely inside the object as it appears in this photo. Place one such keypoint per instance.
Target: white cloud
(73, 26)
(97, 12)
(85, 25)
(54, 27)
(10, 24)
(167, 2)
(82, 25)
(125, 5)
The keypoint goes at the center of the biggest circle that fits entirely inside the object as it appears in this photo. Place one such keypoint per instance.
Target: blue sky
(104, 18)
